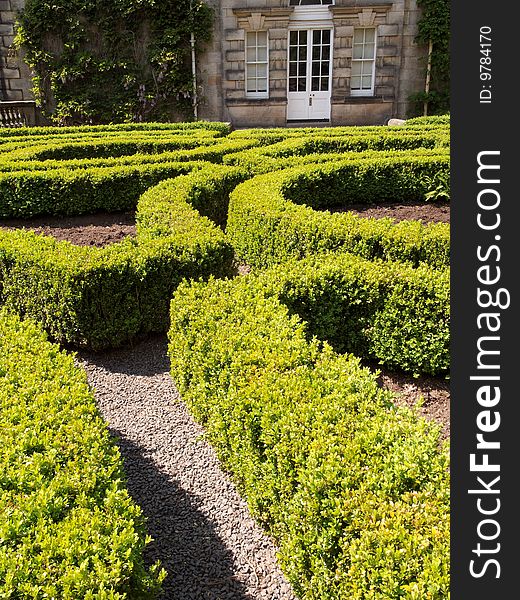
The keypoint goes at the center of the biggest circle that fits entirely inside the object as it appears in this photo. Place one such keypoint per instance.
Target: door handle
(310, 100)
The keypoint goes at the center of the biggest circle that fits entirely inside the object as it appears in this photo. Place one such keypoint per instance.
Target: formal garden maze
(193, 324)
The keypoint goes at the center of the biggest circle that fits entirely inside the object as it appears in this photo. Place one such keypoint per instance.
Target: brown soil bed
(428, 212)
(434, 391)
(99, 229)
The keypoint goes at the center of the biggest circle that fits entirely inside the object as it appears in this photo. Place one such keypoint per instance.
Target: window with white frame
(363, 62)
(309, 2)
(257, 64)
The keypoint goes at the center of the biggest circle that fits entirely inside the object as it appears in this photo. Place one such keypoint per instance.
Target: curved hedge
(392, 313)
(68, 527)
(101, 297)
(266, 226)
(353, 489)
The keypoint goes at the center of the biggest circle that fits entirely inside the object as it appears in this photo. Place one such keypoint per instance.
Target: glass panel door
(309, 60)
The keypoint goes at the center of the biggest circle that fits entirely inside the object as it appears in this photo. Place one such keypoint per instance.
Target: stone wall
(400, 62)
(15, 76)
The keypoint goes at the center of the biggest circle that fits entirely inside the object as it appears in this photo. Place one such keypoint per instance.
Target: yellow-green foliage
(101, 297)
(353, 489)
(272, 217)
(68, 528)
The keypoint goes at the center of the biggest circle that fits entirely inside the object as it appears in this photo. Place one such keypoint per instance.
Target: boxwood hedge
(68, 527)
(272, 217)
(353, 489)
(101, 297)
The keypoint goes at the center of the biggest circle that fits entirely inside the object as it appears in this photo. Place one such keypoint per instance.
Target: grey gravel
(203, 533)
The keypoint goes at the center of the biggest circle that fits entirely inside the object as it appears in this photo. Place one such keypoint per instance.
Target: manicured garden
(352, 487)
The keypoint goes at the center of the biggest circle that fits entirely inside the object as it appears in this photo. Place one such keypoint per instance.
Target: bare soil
(433, 392)
(98, 229)
(428, 212)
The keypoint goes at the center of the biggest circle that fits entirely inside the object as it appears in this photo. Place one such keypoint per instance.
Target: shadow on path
(199, 565)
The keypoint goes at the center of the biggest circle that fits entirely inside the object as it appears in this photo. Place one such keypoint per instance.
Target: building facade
(282, 62)
(278, 62)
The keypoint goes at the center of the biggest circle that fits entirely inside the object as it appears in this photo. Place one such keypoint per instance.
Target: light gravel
(203, 533)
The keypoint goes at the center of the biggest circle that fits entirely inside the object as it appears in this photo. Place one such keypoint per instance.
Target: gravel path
(203, 533)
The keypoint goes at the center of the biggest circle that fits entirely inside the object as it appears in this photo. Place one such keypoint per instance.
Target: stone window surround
(365, 13)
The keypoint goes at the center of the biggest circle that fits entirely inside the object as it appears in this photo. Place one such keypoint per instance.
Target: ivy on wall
(99, 61)
(434, 25)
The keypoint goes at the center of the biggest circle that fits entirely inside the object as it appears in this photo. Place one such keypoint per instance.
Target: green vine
(100, 61)
(434, 25)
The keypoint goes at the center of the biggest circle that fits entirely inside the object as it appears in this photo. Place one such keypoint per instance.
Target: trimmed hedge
(82, 191)
(69, 529)
(212, 153)
(221, 128)
(102, 297)
(260, 160)
(353, 489)
(389, 312)
(266, 226)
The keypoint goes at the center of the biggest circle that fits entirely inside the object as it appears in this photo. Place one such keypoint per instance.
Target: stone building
(279, 62)
(274, 62)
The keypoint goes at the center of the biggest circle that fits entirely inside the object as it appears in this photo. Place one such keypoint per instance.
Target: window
(257, 64)
(363, 62)
(309, 2)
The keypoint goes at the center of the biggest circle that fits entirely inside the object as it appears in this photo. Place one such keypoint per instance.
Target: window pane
(262, 85)
(370, 35)
(292, 69)
(355, 82)
(366, 82)
(251, 55)
(251, 85)
(358, 36)
(303, 37)
(303, 69)
(316, 36)
(302, 84)
(302, 53)
(369, 50)
(316, 53)
(261, 70)
(292, 84)
(293, 38)
(326, 37)
(293, 53)
(325, 52)
(262, 38)
(367, 67)
(325, 68)
(325, 83)
(262, 54)
(357, 51)
(315, 68)
(251, 38)
(356, 68)
(315, 84)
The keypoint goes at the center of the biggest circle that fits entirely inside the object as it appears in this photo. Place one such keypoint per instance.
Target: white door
(309, 75)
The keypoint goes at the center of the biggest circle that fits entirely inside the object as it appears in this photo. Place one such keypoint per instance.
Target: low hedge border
(103, 148)
(219, 127)
(211, 153)
(389, 312)
(266, 226)
(259, 161)
(69, 529)
(103, 297)
(82, 191)
(353, 489)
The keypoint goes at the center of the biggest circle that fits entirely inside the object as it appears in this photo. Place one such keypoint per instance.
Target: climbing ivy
(99, 61)
(434, 25)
